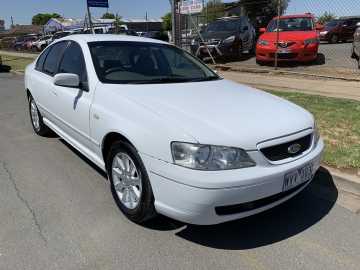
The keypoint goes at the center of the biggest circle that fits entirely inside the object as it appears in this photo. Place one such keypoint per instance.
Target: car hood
(292, 36)
(221, 112)
(218, 35)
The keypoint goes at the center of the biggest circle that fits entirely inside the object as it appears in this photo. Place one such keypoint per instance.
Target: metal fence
(335, 49)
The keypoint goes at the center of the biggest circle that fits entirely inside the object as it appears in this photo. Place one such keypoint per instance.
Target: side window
(73, 62)
(41, 60)
(53, 57)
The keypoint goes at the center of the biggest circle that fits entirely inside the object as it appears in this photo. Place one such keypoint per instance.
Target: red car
(298, 40)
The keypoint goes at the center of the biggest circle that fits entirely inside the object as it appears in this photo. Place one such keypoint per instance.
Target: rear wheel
(36, 119)
(130, 185)
(334, 39)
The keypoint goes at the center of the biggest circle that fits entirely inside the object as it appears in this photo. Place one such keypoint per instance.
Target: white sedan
(173, 137)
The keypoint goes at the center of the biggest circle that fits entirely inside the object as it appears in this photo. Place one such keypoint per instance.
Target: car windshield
(291, 24)
(225, 26)
(332, 23)
(119, 62)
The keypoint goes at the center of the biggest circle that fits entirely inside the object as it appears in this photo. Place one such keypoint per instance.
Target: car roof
(86, 38)
(306, 15)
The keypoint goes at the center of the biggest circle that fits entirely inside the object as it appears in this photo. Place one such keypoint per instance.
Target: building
(2, 25)
(143, 25)
(59, 24)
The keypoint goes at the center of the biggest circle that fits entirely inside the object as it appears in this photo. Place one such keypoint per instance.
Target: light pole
(277, 34)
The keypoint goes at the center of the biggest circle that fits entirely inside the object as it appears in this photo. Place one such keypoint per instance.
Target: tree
(326, 17)
(214, 9)
(108, 15)
(167, 22)
(261, 14)
(43, 18)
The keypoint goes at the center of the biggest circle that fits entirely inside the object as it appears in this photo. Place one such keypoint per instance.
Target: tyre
(130, 185)
(334, 39)
(260, 63)
(358, 62)
(36, 119)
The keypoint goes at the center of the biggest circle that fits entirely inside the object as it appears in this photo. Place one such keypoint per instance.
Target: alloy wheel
(34, 115)
(126, 180)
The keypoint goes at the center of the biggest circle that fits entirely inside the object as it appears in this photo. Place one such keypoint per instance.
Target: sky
(23, 10)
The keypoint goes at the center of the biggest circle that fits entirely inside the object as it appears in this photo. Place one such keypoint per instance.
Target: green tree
(214, 9)
(326, 17)
(43, 18)
(167, 22)
(108, 15)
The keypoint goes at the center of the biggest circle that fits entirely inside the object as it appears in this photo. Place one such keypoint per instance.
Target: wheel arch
(109, 139)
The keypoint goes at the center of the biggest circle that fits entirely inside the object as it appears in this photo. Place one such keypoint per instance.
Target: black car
(342, 29)
(225, 37)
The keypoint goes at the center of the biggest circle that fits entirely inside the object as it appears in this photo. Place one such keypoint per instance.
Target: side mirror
(67, 80)
(262, 30)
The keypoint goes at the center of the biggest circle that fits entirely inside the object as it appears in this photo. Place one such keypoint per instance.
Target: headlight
(316, 135)
(263, 42)
(311, 41)
(323, 33)
(209, 157)
(229, 39)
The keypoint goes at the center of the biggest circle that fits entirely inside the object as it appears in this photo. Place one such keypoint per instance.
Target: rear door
(73, 104)
(42, 79)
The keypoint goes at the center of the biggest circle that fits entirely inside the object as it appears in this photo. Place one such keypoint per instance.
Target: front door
(73, 104)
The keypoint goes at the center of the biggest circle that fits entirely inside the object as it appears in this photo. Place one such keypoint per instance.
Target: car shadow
(272, 226)
(4, 68)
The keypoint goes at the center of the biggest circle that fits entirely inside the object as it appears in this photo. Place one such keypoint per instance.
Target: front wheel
(130, 185)
(334, 39)
(36, 119)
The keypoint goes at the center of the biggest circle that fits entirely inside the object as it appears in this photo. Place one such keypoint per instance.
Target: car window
(41, 60)
(292, 24)
(53, 57)
(73, 62)
(140, 62)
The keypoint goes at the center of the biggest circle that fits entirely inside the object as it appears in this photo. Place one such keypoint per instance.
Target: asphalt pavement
(56, 212)
(333, 60)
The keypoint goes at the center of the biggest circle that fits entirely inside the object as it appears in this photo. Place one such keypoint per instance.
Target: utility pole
(12, 21)
(277, 34)
(90, 21)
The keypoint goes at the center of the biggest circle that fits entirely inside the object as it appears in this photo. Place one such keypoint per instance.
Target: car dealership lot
(57, 213)
(334, 60)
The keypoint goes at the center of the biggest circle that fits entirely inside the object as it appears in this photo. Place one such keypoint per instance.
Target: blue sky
(23, 10)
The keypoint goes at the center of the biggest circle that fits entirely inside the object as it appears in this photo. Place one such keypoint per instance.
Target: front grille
(285, 44)
(249, 206)
(211, 42)
(281, 151)
(285, 56)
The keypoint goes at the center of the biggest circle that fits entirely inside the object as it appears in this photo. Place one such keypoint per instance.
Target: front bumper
(299, 53)
(194, 196)
(216, 50)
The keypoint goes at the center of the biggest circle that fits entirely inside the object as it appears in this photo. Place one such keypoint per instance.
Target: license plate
(283, 51)
(298, 177)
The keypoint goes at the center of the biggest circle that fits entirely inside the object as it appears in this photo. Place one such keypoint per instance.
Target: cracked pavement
(56, 212)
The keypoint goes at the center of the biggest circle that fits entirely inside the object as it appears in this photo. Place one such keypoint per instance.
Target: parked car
(356, 45)
(342, 29)
(7, 42)
(41, 43)
(24, 42)
(173, 137)
(60, 34)
(298, 40)
(225, 37)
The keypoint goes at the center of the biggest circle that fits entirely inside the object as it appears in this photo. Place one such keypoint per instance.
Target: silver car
(356, 45)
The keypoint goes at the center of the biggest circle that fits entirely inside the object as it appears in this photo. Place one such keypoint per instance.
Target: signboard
(98, 3)
(191, 6)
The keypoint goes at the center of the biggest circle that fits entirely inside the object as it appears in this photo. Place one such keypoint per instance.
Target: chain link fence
(335, 23)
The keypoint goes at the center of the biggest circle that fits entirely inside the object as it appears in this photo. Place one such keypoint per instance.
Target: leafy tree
(108, 15)
(43, 18)
(167, 22)
(326, 17)
(214, 9)
(261, 14)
